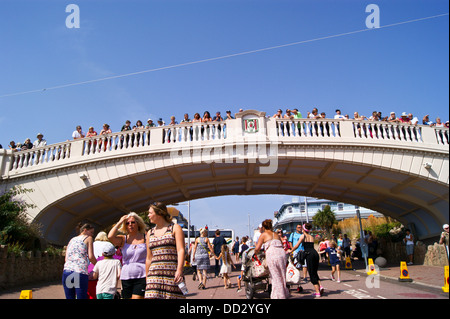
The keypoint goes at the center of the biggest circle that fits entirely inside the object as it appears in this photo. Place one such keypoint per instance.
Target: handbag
(259, 269)
(301, 256)
(292, 274)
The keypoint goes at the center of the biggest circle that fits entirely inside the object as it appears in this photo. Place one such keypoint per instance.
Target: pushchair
(253, 281)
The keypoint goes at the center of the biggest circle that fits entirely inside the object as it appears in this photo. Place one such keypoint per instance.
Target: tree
(325, 219)
(15, 227)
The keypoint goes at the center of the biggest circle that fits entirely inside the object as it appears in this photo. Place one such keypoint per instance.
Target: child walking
(107, 271)
(227, 262)
(334, 253)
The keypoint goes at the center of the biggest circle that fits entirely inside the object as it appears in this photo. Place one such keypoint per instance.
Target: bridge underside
(409, 199)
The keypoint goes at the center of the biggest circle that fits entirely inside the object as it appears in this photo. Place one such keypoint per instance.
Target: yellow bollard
(26, 294)
(348, 263)
(445, 288)
(404, 274)
(371, 267)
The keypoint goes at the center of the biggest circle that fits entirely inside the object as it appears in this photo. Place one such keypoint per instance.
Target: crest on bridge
(251, 125)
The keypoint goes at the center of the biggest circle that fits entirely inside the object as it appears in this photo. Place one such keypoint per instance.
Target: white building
(302, 209)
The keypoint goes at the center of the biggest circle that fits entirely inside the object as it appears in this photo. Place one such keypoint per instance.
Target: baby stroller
(255, 276)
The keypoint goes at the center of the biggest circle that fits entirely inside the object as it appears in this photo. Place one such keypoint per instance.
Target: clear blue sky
(402, 68)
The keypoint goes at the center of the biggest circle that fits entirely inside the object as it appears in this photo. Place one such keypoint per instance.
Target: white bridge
(398, 170)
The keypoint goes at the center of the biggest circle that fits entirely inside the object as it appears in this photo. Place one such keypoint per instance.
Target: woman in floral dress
(275, 258)
(165, 255)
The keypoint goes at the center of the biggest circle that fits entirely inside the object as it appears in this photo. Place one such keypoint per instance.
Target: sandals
(201, 286)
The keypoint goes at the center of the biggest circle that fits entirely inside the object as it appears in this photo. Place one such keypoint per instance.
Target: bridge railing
(123, 142)
(361, 130)
(442, 135)
(305, 128)
(40, 156)
(160, 138)
(194, 132)
(128, 140)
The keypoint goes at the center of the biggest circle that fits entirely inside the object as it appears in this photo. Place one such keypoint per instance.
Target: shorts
(133, 287)
(410, 250)
(105, 296)
(334, 263)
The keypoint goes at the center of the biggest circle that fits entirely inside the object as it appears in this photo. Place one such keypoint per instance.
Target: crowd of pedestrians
(288, 114)
(277, 248)
(150, 263)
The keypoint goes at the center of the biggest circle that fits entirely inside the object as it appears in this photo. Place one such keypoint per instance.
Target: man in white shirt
(413, 120)
(314, 114)
(78, 133)
(40, 141)
(338, 115)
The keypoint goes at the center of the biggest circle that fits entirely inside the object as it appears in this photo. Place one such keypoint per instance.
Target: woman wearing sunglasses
(134, 254)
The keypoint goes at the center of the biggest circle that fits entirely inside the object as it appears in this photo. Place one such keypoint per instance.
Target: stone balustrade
(202, 134)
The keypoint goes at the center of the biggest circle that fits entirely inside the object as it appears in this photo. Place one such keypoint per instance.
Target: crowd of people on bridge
(293, 113)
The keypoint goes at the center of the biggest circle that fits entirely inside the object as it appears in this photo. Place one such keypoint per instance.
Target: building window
(302, 208)
(340, 207)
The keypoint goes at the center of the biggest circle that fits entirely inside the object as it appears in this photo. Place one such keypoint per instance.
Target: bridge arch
(403, 176)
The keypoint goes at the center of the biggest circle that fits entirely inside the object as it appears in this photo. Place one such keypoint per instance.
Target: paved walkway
(429, 277)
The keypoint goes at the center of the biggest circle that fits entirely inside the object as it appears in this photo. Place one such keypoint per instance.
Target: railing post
(6, 157)
(346, 129)
(76, 149)
(2, 162)
(429, 135)
(156, 136)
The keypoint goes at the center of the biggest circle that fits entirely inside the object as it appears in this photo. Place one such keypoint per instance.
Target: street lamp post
(363, 244)
(189, 223)
(306, 209)
(188, 204)
(249, 225)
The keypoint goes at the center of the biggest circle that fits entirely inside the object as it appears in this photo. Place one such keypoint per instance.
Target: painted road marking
(358, 294)
(366, 292)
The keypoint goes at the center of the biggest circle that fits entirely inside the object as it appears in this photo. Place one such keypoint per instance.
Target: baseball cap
(109, 249)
